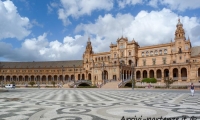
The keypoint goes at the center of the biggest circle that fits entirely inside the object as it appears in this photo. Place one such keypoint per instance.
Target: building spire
(180, 33)
(88, 38)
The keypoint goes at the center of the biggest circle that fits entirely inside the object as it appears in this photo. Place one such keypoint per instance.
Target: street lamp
(103, 73)
(74, 73)
(133, 76)
(80, 73)
(62, 74)
(121, 72)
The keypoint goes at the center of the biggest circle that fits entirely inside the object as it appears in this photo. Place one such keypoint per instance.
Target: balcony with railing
(175, 78)
(138, 78)
(183, 78)
(159, 78)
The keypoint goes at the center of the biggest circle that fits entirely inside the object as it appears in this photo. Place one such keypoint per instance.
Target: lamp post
(74, 73)
(103, 80)
(62, 74)
(121, 72)
(80, 73)
(133, 76)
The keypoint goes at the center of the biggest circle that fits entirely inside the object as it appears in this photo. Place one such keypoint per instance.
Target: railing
(79, 82)
(101, 85)
(159, 78)
(123, 82)
(183, 78)
(138, 78)
(175, 78)
(120, 84)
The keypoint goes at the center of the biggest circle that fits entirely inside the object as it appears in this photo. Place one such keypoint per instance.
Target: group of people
(59, 85)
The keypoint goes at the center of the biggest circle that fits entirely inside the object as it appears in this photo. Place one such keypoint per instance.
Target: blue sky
(46, 30)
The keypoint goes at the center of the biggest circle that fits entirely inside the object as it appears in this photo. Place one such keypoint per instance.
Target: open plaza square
(98, 104)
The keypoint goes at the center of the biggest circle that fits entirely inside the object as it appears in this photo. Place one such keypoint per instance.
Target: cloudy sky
(49, 30)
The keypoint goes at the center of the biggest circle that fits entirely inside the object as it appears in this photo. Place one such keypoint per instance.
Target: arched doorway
(199, 72)
(66, 77)
(26, 79)
(32, 78)
(159, 74)
(144, 74)
(14, 78)
(151, 72)
(183, 74)
(21, 81)
(55, 78)
(89, 76)
(49, 79)
(83, 77)
(130, 62)
(43, 79)
(104, 75)
(114, 77)
(138, 75)
(175, 74)
(79, 76)
(166, 73)
(72, 77)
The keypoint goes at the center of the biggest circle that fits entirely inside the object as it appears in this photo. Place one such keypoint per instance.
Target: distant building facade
(177, 60)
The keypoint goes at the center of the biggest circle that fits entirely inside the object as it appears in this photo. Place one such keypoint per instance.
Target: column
(179, 75)
(162, 76)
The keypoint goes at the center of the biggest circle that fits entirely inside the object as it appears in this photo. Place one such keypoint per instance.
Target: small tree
(134, 82)
(168, 82)
(149, 80)
(53, 83)
(32, 83)
(12, 83)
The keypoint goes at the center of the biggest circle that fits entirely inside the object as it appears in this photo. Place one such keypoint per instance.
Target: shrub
(168, 82)
(32, 83)
(53, 83)
(149, 80)
(87, 87)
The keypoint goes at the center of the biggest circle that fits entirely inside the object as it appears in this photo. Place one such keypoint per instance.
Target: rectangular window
(129, 53)
(164, 61)
(154, 62)
(144, 63)
(174, 62)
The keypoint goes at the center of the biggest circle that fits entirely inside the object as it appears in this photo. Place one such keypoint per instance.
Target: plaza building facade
(126, 59)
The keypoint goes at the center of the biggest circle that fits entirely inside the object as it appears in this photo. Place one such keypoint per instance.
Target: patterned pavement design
(94, 104)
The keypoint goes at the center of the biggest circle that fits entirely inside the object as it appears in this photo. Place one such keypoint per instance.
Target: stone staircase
(67, 85)
(111, 85)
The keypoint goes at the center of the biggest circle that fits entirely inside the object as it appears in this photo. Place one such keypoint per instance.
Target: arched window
(151, 53)
(165, 51)
(142, 54)
(156, 52)
(160, 52)
(147, 53)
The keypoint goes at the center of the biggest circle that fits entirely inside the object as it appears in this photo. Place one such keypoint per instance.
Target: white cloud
(177, 4)
(77, 8)
(35, 22)
(123, 3)
(40, 48)
(148, 28)
(12, 24)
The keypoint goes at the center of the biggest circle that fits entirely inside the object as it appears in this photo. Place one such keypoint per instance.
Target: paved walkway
(96, 104)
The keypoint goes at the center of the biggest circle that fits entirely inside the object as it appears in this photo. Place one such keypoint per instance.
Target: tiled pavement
(94, 104)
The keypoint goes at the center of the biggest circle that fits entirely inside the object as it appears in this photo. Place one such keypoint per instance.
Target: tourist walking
(192, 89)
